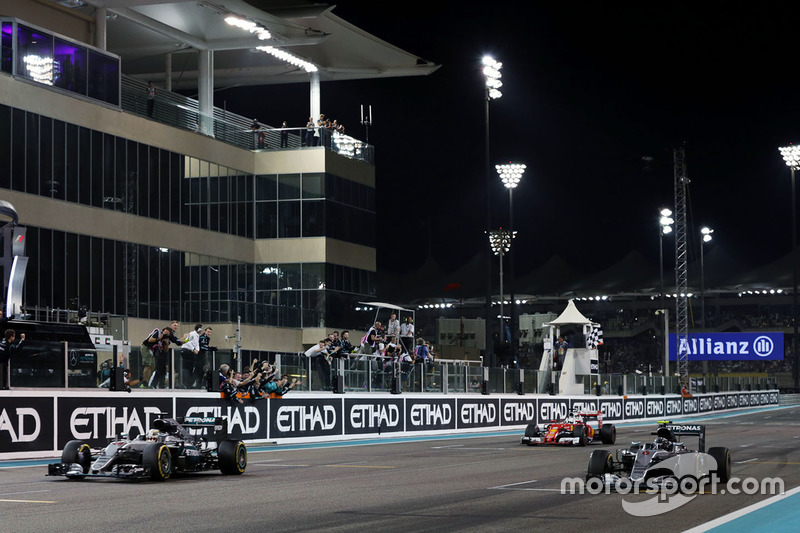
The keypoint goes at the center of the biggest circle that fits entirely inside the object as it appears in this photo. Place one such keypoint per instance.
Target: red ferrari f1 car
(579, 428)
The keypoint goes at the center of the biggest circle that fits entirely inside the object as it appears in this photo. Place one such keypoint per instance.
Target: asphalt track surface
(482, 483)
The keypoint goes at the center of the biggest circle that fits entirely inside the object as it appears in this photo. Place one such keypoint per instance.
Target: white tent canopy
(570, 315)
(386, 306)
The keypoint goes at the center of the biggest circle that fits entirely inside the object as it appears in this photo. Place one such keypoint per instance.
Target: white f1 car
(665, 459)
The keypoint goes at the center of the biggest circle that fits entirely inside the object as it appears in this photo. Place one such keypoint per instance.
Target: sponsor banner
(478, 413)
(550, 409)
(773, 398)
(744, 400)
(690, 405)
(731, 401)
(99, 420)
(246, 421)
(655, 407)
(635, 408)
(373, 416)
(585, 405)
(673, 406)
(705, 403)
(26, 424)
(430, 414)
(720, 402)
(612, 409)
(304, 418)
(754, 399)
(516, 412)
(730, 346)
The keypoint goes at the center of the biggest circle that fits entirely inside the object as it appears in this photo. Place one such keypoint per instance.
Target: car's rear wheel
(600, 462)
(608, 434)
(722, 456)
(232, 456)
(158, 459)
(77, 451)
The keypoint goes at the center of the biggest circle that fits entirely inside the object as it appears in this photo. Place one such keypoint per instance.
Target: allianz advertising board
(757, 346)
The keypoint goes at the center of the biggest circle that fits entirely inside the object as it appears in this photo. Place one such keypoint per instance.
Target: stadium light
(791, 156)
(500, 242)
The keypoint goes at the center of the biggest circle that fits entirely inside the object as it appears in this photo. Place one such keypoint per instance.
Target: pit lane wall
(35, 424)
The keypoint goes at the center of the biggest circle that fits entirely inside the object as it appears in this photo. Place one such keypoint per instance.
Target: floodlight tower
(791, 155)
(491, 73)
(510, 175)
(665, 222)
(681, 269)
(500, 243)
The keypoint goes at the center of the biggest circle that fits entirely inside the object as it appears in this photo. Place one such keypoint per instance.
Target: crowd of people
(259, 381)
(389, 350)
(316, 133)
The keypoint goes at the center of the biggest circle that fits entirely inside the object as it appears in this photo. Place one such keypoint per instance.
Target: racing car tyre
(232, 457)
(532, 430)
(77, 451)
(722, 456)
(608, 433)
(580, 432)
(600, 462)
(158, 458)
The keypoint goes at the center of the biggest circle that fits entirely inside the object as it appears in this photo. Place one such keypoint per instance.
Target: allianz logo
(762, 346)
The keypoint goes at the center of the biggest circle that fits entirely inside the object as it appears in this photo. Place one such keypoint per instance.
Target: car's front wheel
(158, 459)
(77, 451)
(600, 462)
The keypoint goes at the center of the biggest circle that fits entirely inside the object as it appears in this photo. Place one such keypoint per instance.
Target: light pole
(791, 155)
(705, 236)
(491, 73)
(510, 175)
(500, 244)
(665, 222)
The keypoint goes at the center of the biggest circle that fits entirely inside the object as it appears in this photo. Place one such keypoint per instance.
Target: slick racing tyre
(608, 434)
(158, 459)
(580, 432)
(600, 462)
(77, 451)
(723, 458)
(232, 456)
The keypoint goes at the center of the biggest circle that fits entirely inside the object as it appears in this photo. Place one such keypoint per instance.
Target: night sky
(590, 90)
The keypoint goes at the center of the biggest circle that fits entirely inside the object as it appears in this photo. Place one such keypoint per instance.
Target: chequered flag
(595, 338)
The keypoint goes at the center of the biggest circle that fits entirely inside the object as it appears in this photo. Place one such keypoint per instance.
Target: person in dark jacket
(7, 349)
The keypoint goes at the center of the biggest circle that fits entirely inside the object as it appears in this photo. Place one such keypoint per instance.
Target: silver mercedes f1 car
(666, 459)
(167, 448)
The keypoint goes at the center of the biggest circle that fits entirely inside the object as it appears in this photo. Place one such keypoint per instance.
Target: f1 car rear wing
(219, 425)
(690, 430)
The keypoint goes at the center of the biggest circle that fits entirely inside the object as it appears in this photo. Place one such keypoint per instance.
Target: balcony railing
(183, 112)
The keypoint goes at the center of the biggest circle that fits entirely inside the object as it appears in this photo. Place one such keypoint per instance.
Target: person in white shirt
(189, 357)
(393, 327)
(407, 334)
(321, 362)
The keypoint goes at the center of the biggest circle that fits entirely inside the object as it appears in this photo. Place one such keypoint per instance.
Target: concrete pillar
(168, 72)
(315, 95)
(100, 27)
(205, 91)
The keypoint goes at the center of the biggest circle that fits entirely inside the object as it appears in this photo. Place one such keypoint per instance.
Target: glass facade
(44, 58)
(50, 158)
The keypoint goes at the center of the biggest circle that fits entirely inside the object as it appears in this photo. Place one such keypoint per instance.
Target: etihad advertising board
(758, 346)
